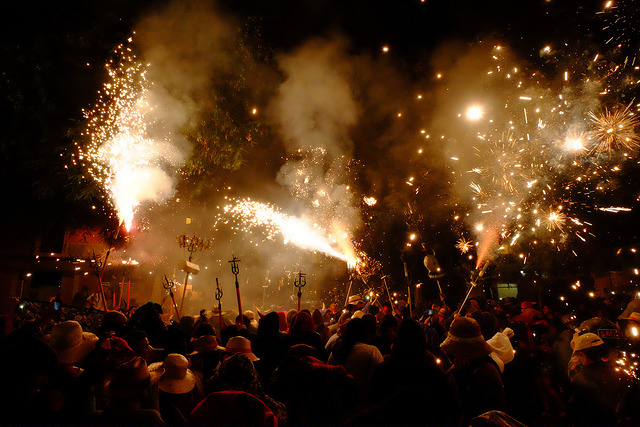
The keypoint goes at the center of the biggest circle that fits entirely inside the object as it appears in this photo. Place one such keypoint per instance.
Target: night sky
(53, 58)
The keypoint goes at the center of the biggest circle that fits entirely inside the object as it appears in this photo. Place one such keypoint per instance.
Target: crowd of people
(505, 362)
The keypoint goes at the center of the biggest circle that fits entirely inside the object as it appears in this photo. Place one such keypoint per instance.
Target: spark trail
(246, 215)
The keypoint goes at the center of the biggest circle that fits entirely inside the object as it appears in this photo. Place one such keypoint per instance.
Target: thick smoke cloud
(315, 105)
(315, 111)
(188, 46)
(186, 42)
(328, 107)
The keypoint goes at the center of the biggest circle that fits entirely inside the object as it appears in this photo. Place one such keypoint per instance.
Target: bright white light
(474, 112)
(574, 144)
(370, 201)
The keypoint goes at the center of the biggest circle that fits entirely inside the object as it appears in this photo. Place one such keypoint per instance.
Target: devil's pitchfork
(235, 269)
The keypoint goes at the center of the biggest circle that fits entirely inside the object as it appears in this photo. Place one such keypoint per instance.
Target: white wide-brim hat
(173, 374)
(70, 343)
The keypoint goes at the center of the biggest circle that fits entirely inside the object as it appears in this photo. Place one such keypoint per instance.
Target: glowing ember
(369, 201)
(615, 209)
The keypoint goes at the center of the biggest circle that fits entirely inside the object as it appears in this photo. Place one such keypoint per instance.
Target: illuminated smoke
(315, 110)
(124, 150)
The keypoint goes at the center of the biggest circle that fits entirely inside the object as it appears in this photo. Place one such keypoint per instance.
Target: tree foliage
(228, 125)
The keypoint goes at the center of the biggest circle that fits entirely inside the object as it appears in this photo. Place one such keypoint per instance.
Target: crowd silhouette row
(490, 362)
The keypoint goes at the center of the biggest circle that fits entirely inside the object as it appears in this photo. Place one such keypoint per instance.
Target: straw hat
(585, 341)
(524, 305)
(173, 375)
(342, 321)
(114, 319)
(240, 345)
(464, 340)
(358, 314)
(252, 318)
(355, 299)
(635, 317)
(131, 372)
(70, 343)
(205, 343)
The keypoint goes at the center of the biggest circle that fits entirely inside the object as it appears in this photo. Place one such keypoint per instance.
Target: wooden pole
(186, 281)
(175, 306)
(384, 280)
(473, 285)
(168, 285)
(184, 291)
(348, 293)
(406, 276)
(239, 300)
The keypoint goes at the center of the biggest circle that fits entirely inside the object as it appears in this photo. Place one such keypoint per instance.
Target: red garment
(302, 323)
(224, 408)
(318, 365)
(282, 317)
(528, 316)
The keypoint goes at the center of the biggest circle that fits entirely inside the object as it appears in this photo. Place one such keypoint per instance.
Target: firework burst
(503, 163)
(556, 219)
(614, 130)
(118, 151)
(575, 143)
(464, 245)
(532, 147)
